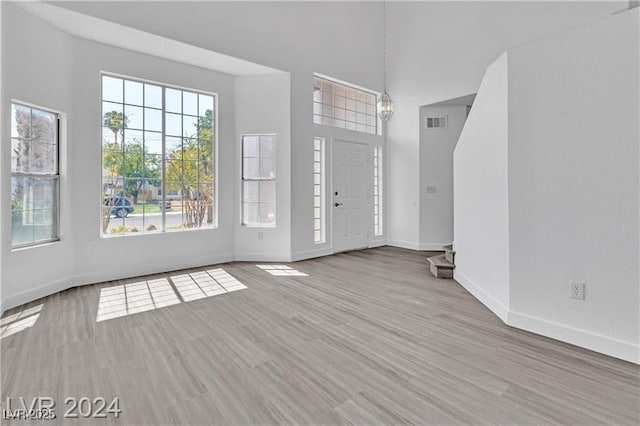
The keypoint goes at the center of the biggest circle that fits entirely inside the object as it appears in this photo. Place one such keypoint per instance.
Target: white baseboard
(310, 254)
(93, 278)
(404, 244)
(327, 251)
(598, 343)
(433, 246)
(585, 339)
(487, 300)
(606, 345)
(377, 243)
(417, 246)
(149, 268)
(262, 257)
(35, 293)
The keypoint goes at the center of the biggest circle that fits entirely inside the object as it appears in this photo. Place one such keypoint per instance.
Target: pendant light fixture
(385, 104)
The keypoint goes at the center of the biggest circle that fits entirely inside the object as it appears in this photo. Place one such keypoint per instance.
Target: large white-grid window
(158, 168)
(319, 210)
(35, 178)
(345, 106)
(259, 180)
(377, 191)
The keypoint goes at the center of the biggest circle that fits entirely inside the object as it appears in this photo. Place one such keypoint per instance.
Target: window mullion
(198, 155)
(163, 209)
(57, 169)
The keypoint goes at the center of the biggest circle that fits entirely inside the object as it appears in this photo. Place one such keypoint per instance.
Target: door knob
(337, 204)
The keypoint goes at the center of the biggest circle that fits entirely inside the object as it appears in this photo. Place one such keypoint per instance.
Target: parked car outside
(120, 206)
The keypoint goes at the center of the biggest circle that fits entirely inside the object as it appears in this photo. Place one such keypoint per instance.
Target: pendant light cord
(384, 32)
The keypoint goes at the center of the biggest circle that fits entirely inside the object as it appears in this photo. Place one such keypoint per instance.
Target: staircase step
(450, 256)
(439, 266)
(449, 253)
(440, 261)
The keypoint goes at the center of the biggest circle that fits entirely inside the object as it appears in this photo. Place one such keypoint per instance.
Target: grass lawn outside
(140, 208)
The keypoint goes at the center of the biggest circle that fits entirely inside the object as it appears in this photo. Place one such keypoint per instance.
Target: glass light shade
(385, 107)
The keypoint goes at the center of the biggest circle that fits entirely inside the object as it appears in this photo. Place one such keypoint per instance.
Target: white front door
(349, 196)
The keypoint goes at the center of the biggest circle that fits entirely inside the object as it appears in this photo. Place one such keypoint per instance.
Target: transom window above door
(346, 106)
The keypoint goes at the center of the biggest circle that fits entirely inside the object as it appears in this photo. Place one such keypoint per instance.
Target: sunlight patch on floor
(226, 280)
(198, 285)
(127, 299)
(142, 296)
(15, 323)
(282, 271)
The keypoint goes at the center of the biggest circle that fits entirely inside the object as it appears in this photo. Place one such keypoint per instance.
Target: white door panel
(350, 196)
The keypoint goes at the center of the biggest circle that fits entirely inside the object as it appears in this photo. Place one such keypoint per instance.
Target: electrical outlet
(577, 290)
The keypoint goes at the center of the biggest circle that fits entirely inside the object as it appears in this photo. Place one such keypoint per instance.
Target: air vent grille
(436, 123)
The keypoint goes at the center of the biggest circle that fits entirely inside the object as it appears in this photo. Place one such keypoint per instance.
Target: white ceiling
(103, 31)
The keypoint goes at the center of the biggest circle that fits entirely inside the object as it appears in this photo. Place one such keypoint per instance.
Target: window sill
(35, 245)
(139, 234)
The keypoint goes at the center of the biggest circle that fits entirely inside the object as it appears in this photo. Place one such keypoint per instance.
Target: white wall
(36, 68)
(339, 39)
(436, 169)
(2, 178)
(262, 105)
(481, 198)
(100, 259)
(71, 81)
(63, 74)
(436, 51)
(573, 184)
(440, 50)
(571, 168)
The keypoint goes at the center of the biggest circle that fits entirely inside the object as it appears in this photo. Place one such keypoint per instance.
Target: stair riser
(441, 272)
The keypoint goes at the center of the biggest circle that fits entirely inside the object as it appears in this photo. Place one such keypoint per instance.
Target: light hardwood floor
(367, 337)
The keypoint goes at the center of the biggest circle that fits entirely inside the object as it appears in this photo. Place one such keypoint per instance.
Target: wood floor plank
(366, 337)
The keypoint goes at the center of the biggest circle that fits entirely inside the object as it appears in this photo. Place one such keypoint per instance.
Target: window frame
(164, 86)
(243, 180)
(322, 193)
(378, 229)
(346, 85)
(55, 177)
